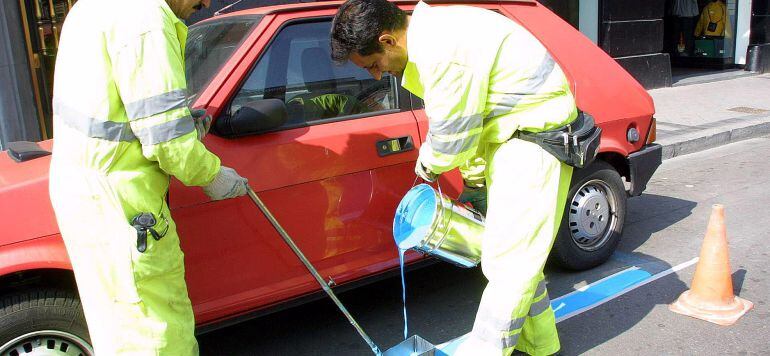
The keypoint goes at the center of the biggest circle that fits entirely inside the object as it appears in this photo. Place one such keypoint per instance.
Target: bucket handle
(438, 185)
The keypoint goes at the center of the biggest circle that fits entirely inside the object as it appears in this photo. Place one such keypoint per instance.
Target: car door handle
(394, 145)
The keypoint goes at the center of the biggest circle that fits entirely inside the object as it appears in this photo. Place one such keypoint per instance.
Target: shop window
(702, 31)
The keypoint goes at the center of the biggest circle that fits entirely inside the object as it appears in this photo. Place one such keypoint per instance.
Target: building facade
(655, 40)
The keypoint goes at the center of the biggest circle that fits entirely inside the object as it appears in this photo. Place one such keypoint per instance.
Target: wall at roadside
(18, 118)
(631, 31)
(759, 49)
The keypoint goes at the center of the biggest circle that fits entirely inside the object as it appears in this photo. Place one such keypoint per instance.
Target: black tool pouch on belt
(575, 144)
(144, 223)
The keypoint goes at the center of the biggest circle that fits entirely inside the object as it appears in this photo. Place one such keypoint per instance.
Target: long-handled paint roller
(414, 345)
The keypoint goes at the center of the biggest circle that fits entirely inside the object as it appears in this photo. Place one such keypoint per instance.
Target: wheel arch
(618, 161)
(41, 262)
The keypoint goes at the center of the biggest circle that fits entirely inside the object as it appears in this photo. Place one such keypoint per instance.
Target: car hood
(25, 208)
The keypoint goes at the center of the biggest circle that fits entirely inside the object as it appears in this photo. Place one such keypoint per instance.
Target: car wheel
(593, 218)
(43, 322)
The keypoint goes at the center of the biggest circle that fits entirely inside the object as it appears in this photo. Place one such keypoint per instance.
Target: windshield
(210, 45)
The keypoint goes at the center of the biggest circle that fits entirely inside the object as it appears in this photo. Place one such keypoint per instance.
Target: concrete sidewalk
(700, 116)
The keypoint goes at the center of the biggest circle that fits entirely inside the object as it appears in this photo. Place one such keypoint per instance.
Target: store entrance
(700, 39)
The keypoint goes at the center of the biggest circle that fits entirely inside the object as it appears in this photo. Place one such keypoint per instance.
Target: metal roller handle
(312, 269)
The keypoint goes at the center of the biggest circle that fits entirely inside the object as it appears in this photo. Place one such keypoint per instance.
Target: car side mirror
(252, 118)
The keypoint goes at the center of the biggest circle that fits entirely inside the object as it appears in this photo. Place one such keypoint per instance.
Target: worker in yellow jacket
(122, 129)
(483, 77)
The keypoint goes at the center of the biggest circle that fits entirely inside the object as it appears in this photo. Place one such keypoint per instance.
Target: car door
(332, 174)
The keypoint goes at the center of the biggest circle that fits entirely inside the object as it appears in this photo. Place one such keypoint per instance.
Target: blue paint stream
(403, 290)
(411, 224)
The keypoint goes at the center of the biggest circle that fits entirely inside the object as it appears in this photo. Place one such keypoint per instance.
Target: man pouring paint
(485, 80)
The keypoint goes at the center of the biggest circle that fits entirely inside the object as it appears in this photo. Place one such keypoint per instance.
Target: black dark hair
(359, 23)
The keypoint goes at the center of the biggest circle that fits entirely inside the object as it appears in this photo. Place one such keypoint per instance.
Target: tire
(593, 218)
(43, 322)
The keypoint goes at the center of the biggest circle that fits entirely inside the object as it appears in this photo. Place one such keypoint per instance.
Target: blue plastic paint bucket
(429, 221)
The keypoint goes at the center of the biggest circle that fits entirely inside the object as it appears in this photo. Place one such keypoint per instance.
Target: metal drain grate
(748, 110)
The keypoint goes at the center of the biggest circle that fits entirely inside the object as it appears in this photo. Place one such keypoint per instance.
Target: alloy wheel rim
(47, 343)
(592, 215)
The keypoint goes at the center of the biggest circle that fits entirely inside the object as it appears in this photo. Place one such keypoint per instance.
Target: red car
(331, 152)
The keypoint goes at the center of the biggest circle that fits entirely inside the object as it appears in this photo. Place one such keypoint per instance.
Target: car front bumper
(642, 164)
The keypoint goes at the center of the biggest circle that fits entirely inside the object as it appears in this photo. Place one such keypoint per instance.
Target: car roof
(320, 5)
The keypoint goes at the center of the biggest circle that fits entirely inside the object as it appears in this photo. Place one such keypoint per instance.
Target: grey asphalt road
(664, 228)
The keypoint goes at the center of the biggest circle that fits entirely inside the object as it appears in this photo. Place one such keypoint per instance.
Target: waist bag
(575, 144)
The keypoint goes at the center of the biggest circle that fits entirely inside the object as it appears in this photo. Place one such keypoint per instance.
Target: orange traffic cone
(711, 295)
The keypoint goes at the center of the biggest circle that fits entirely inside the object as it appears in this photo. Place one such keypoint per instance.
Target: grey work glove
(424, 173)
(202, 122)
(227, 184)
(476, 196)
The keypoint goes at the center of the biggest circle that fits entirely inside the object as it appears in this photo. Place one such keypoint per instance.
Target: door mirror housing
(252, 118)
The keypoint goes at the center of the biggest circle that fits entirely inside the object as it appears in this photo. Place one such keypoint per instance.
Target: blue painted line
(590, 296)
(596, 292)
(577, 301)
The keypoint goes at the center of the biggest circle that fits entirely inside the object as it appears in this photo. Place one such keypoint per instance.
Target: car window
(297, 69)
(210, 44)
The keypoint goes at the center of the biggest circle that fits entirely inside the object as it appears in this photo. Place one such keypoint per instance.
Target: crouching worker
(483, 78)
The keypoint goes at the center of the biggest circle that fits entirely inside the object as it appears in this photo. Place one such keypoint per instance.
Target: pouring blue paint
(430, 222)
(410, 226)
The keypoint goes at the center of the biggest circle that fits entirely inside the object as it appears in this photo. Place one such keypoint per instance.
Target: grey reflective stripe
(458, 125)
(543, 71)
(456, 146)
(540, 289)
(497, 340)
(157, 104)
(516, 324)
(91, 127)
(510, 340)
(506, 105)
(166, 131)
(539, 306)
(488, 321)
(532, 86)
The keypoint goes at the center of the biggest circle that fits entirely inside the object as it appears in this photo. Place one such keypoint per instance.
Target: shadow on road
(441, 299)
(647, 215)
(442, 302)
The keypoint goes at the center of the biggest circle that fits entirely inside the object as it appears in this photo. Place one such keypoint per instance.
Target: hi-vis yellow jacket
(478, 88)
(121, 128)
(119, 102)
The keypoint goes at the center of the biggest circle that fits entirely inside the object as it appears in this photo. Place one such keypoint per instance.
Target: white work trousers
(527, 188)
